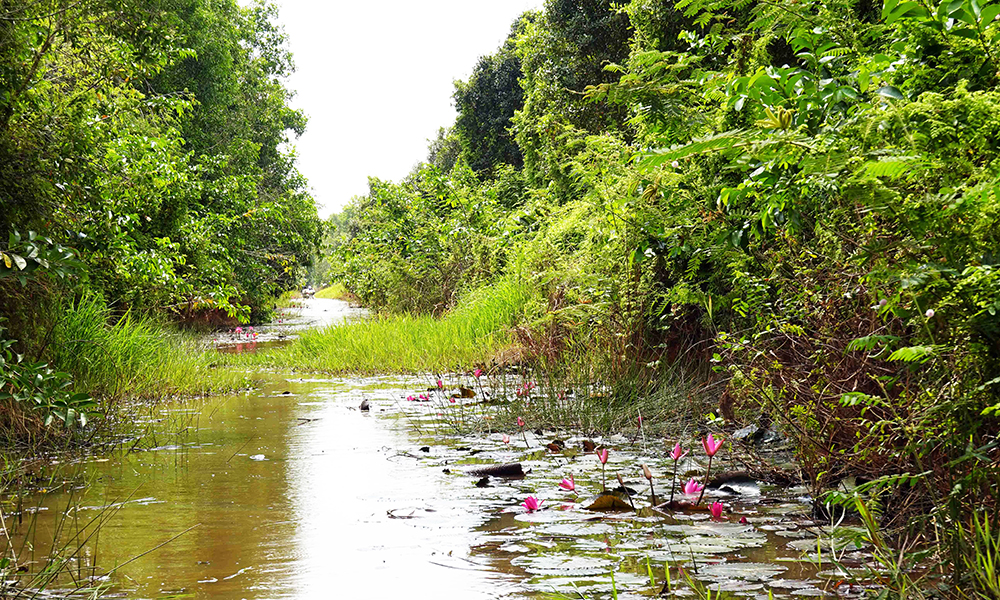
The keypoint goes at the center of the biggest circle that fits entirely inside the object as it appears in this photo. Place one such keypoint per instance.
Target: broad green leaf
(888, 7)
(964, 16)
(908, 9)
(989, 14)
(890, 92)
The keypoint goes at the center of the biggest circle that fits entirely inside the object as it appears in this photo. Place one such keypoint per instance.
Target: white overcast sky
(375, 78)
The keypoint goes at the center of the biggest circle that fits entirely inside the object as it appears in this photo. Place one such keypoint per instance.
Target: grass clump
(470, 334)
(132, 356)
(337, 291)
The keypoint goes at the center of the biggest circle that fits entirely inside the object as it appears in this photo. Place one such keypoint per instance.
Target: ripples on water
(294, 493)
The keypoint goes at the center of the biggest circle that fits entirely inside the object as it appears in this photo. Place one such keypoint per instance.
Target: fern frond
(894, 167)
(713, 143)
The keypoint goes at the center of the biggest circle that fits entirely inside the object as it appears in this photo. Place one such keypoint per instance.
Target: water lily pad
(563, 565)
(746, 571)
(609, 501)
(826, 544)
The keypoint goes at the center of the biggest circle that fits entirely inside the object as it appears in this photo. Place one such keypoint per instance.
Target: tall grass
(132, 356)
(469, 335)
(336, 291)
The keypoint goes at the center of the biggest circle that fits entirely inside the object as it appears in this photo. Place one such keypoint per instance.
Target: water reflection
(291, 492)
(307, 313)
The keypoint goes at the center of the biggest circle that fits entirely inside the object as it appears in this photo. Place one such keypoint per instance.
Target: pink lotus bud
(520, 422)
(477, 373)
(602, 455)
(440, 384)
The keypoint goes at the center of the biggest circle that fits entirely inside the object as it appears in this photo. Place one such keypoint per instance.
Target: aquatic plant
(649, 477)
(531, 503)
(602, 455)
(711, 447)
(520, 424)
(568, 484)
(716, 510)
(676, 454)
(692, 487)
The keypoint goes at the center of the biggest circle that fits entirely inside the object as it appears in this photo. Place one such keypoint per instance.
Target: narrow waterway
(292, 491)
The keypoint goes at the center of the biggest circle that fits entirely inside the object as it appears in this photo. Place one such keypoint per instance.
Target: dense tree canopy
(150, 136)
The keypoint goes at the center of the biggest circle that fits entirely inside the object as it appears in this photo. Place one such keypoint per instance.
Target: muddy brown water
(290, 491)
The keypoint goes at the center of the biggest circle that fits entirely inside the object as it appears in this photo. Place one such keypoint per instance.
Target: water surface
(292, 492)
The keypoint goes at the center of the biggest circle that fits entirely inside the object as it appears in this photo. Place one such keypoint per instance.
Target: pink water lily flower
(520, 422)
(568, 484)
(506, 438)
(716, 510)
(711, 445)
(477, 373)
(440, 384)
(692, 487)
(602, 455)
(531, 503)
(678, 453)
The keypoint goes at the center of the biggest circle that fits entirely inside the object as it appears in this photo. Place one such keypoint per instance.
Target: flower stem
(652, 492)
(673, 483)
(707, 473)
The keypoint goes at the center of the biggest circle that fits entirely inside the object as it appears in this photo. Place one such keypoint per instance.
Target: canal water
(292, 491)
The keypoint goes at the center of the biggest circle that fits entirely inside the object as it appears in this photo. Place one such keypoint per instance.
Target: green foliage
(149, 137)
(35, 387)
(486, 104)
(471, 334)
(130, 356)
(413, 247)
